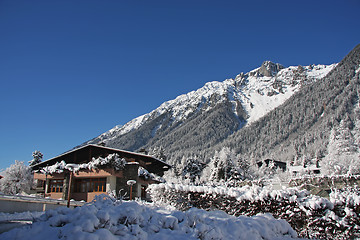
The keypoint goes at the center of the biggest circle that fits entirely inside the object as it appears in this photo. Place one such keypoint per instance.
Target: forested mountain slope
(303, 125)
(195, 122)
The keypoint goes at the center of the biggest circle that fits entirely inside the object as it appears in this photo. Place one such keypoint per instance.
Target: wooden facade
(86, 184)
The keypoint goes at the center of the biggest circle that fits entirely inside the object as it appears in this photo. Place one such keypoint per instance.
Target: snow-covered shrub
(142, 172)
(16, 179)
(310, 215)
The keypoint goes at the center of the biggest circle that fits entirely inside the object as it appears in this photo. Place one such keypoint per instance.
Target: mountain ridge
(226, 106)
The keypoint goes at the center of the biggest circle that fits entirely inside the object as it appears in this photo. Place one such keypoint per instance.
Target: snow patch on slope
(263, 94)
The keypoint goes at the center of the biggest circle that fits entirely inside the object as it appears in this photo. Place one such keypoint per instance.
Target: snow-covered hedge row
(107, 219)
(325, 181)
(310, 215)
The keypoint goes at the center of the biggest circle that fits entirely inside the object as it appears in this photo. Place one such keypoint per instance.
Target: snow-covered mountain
(263, 90)
(319, 121)
(225, 106)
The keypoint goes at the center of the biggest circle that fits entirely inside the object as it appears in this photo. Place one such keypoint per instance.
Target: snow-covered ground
(22, 216)
(107, 219)
(9, 221)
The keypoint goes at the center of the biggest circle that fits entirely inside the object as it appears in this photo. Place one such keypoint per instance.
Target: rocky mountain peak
(267, 69)
(270, 69)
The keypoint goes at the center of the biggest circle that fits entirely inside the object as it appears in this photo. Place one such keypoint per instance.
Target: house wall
(110, 184)
(110, 175)
(48, 176)
(87, 197)
(129, 173)
(53, 195)
(145, 183)
(80, 196)
(115, 181)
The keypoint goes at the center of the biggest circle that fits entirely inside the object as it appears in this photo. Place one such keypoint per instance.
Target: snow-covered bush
(310, 215)
(107, 219)
(142, 172)
(16, 179)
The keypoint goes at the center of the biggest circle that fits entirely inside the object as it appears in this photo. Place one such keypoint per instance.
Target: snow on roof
(167, 166)
(295, 168)
(302, 168)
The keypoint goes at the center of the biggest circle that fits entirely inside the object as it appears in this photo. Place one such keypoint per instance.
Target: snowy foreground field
(108, 219)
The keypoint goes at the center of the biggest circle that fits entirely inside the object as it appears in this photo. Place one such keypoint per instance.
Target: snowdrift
(108, 219)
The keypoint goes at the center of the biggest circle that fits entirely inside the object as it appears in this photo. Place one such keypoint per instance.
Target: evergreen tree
(191, 169)
(306, 161)
(343, 155)
(223, 168)
(158, 152)
(37, 158)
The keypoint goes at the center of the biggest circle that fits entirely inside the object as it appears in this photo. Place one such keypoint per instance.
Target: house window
(90, 185)
(56, 185)
(40, 184)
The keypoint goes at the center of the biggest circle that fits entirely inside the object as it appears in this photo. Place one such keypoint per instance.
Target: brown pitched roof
(86, 153)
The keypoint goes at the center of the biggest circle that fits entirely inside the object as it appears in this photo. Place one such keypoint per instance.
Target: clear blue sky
(71, 70)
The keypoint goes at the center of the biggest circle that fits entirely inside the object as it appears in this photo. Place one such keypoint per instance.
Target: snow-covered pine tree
(37, 158)
(158, 152)
(343, 154)
(191, 169)
(223, 169)
(306, 161)
(16, 179)
(171, 176)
